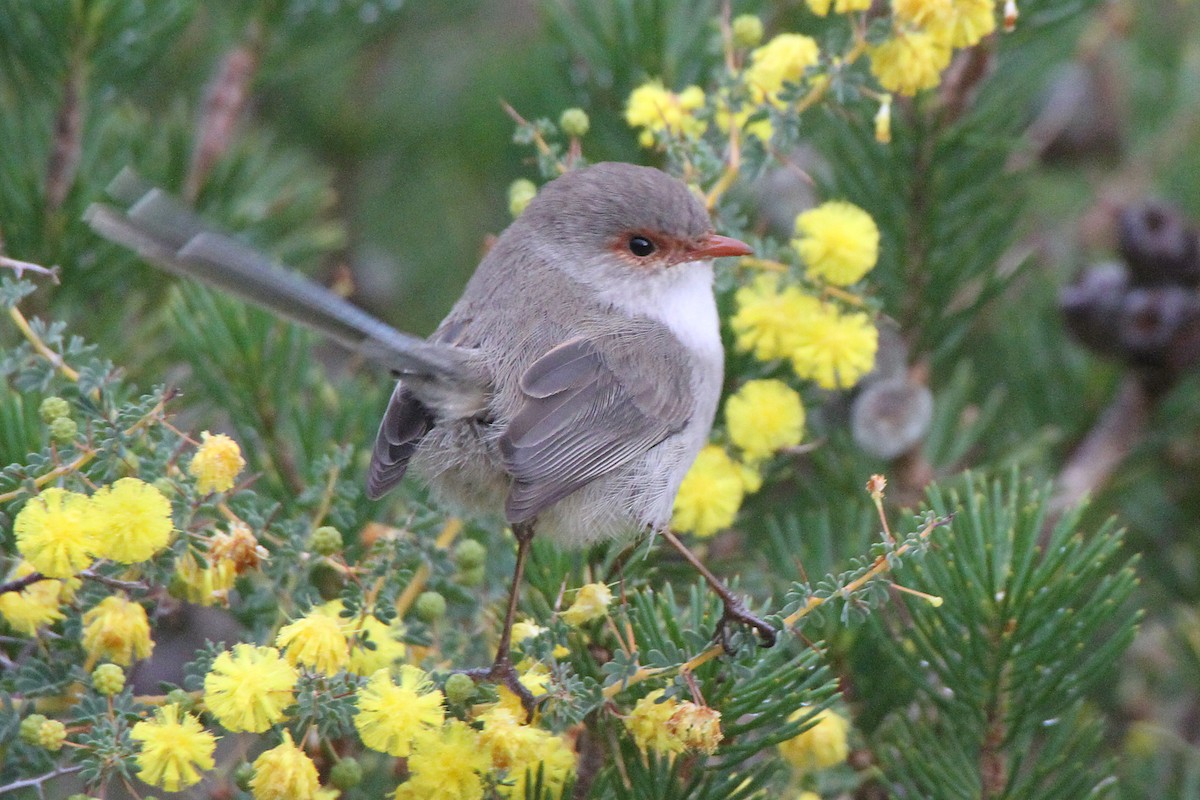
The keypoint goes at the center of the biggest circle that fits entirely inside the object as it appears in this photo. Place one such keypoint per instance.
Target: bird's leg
(735, 610)
(502, 670)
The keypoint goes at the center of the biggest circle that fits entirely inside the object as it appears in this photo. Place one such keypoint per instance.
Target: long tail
(165, 232)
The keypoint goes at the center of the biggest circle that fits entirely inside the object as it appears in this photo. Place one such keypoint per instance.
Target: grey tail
(168, 234)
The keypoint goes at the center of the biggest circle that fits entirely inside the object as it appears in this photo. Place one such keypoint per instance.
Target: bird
(568, 390)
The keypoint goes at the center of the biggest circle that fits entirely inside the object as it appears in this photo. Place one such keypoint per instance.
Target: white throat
(680, 297)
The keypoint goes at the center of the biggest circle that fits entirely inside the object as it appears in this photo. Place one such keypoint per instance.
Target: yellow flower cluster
(763, 417)
(655, 109)
(116, 629)
(517, 751)
(445, 764)
(672, 726)
(924, 35)
(824, 344)
(838, 241)
(37, 604)
(286, 772)
(60, 532)
(821, 7)
(175, 748)
(249, 688)
(391, 715)
(781, 61)
(821, 746)
(317, 641)
(216, 464)
(712, 492)
(590, 603)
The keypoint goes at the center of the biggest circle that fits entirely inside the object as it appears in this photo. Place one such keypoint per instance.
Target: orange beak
(717, 246)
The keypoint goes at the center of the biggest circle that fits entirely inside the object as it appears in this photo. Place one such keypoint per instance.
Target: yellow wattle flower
(55, 532)
(590, 603)
(821, 7)
(763, 417)
(821, 746)
(909, 62)
(518, 750)
(921, 12)
(248, 688)
(838, 241)
(766, 318)
(38, 604)
(216, 464)
(712, 492)
(965, 24)
(654, 108)
(285, 772)
(175, 749)
(391, 714)
(132, 520)
(782, 60)
(835, 349)
(446, 764)
(648, 723)
(117, 630)
(316, 640)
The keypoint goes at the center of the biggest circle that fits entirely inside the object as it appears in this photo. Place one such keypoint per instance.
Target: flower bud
(574, 122)
(53, 408)
(1158, 245)
(346, 774)
(469, 553)
(459, 688)
(326, 540)
(63, 430)
(430, 607)
(520, 192)
(108, 679)
(471, 577)
(747, 30)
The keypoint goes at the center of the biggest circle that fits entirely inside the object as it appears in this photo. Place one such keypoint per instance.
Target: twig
(25, 783)
(21, 267)
(18, 584)
(113, 583)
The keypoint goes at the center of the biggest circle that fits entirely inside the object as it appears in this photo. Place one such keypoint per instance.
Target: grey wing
(588, 407)
(404, 424)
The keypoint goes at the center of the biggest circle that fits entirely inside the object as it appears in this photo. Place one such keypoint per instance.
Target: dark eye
(641, 247)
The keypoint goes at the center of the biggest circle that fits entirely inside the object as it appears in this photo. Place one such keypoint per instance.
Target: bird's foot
(736, 612)
(504, 673)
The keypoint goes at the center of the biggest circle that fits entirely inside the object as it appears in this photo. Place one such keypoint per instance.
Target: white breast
(681, 298)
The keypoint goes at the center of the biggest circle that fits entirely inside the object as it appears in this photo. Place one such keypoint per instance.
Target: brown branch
(67, 145)
(20, 583)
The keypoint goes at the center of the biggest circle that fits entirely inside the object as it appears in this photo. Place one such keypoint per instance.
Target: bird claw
(503, 672)
(735, 612)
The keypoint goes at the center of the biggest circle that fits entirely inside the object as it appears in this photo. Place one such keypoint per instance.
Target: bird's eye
(641, 247)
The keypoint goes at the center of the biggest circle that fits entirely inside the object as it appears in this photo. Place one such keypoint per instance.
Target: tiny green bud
(747, 30)
(53, 408)
(326, 540)
(574, 122)
(471, 577)
(51, 735)
(63, 430)
(469, 553)
(459, 688)
(346, 774)
(182, 699)
(520, 192)
(243, 774)
(430, 606)
(108, 679)
(31, 727)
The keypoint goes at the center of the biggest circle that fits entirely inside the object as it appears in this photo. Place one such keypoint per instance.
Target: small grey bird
(570, 387)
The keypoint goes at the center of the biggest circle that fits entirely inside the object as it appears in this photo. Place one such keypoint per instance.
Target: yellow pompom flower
(648, 723)
(838, 241)
(525, 629)
(909, 62)
(834, 349)
(764, 416)
(823, 745)
(316, 640)
(518, 751)
(207, 584)
(821, 7)
(216, 463)
(766, 319)
(782, 60)
(697, 726)
(386, 649)
(654, 108)
(117, 630)
(248, 688)
(133, 521)
(175, 748)
(920, 12)
(35, 606)
(391, 714)
(964, 24)
(590, 603)
(445, 765)
(285, 772)
(712, 492)
(55, 532)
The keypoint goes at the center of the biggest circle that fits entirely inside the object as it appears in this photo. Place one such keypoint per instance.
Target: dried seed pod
(1158, 245)
(1092, 305)
(890, 417)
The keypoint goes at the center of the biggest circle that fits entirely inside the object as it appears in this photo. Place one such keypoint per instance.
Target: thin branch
(37, 782)
(21, 267)
(20, 583)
